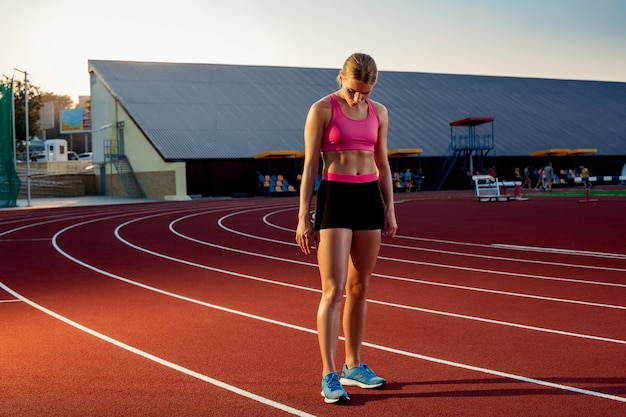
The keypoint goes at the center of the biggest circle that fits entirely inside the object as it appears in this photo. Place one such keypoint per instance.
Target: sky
(563, 39)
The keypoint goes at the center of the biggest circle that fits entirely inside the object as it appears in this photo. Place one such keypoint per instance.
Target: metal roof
(211, 111)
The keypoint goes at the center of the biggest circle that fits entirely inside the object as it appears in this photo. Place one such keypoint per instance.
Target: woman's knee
(332, 295)
(357, 288)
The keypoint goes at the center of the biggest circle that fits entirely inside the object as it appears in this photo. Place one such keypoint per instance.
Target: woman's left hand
(391, 225)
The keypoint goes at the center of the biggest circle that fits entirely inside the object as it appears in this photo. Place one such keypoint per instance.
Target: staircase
(467, 146)
(114, 152)
(446, 166)
(127, 177)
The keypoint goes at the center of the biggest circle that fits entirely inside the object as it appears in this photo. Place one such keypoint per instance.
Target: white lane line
(437, 265)
(389, 349)
(518, 247)
(300, 328)
(479, 245)
(506, 293)
(498, 373)
(299, 287)
(423, 310)
(506, 259)
(500, 323)
(499, 292)
(28, 226)
(417, 281)
(58, 219)
(511, 274)
(10, 301)
(157, 359)
(560, 251)
(494, 372)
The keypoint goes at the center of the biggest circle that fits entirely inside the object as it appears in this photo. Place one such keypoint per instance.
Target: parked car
(72, 156)
(85, 156)
(39, 157)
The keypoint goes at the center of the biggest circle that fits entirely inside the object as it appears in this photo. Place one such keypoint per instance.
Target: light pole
(27, 134)
(13, 122)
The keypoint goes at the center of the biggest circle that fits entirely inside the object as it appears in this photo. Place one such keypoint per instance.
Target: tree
(35, 102)
(34, 105)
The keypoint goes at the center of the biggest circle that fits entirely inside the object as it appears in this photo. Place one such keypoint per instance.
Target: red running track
(208, 308)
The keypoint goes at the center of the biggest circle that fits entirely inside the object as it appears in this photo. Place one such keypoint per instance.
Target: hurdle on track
(603, 178)
(489, 188)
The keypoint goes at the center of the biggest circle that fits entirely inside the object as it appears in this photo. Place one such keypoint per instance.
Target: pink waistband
(331, 176)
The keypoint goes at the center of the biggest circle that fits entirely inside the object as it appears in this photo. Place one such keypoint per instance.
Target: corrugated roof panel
(206, 111)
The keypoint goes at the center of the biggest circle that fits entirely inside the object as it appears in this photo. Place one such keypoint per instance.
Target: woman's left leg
(363, 255)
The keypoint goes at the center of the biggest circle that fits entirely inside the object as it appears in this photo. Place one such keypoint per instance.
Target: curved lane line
(472, 255)
(278, 405)
(500, 374)
(524, 248)
(507, 259)
(157, 359)
(487, 271)
(372, 345)
(57, 219)
(384, 348)
(400, 306)
(482, 245)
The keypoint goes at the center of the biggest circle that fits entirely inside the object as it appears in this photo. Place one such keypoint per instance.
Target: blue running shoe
(332, 391)
(361, 376)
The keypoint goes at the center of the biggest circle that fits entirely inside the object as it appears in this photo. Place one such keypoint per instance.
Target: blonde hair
(360, 67)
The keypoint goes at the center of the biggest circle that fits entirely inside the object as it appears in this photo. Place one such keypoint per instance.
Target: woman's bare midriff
(349, 162)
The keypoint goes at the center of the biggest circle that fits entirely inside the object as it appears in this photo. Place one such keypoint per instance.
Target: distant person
(539, 179)
(492, 172)
(518, 175)
(584, 176)
(348, 132)
(408, 180)
(548, 177)
(420, 178)
(527, 178)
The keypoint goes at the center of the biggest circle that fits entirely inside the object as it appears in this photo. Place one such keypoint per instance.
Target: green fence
(9, 181)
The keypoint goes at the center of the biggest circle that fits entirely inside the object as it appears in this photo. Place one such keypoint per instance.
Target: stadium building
(173, 131)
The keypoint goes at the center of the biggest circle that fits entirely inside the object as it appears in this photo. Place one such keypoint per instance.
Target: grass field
(565, 192)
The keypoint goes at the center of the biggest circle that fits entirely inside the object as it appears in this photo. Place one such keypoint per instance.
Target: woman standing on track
(354, 208)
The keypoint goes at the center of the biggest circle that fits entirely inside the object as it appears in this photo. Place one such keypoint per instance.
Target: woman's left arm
(384, 172)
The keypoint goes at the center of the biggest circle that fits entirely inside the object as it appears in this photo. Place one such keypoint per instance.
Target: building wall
(222, 177)
(157, 185)
(158, 179)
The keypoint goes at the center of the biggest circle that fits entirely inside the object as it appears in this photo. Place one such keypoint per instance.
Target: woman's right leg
(333, 251)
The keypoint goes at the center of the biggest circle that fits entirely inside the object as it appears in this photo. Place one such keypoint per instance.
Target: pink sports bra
(345, 134)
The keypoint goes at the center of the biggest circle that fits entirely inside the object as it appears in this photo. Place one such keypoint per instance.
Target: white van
(55, 150)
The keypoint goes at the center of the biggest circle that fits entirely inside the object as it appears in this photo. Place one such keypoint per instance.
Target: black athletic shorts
(355, 206)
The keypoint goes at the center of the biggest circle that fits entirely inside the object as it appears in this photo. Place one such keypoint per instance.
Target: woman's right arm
(313, 133)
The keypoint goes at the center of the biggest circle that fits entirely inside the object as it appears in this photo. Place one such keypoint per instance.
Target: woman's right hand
(305, 236)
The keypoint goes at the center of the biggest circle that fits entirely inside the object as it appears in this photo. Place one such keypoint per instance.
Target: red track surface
(208, 308)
